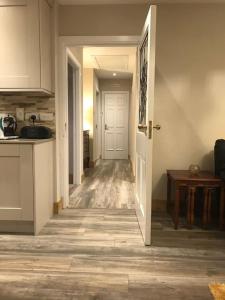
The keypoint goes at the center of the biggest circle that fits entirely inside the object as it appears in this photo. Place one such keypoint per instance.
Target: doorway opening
(88, 100)
(71, 114)
(109, 88)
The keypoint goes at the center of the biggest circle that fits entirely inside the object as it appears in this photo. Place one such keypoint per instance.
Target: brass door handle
(157, 127)
(142, 127)
(106, 127)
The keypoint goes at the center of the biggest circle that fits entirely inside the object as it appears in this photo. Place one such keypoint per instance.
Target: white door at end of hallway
(115, 125)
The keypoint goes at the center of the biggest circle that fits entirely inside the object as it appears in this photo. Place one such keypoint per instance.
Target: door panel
(144, 143)
(16, 164)
(115, 131)
(109, 117)
(20, 57)
(109, 141)
(120, 118)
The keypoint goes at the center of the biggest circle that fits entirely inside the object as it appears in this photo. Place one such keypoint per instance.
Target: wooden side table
(177, 179)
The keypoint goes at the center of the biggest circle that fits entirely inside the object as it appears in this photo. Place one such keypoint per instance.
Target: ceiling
(105, 74)
(109, 60)
(99, 2)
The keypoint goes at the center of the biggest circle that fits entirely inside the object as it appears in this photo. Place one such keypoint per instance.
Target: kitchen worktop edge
(27, 141)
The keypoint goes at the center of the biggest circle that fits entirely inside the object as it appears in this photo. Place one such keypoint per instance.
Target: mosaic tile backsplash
(8, 105)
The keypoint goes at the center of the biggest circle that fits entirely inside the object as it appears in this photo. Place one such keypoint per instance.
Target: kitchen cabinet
(26, 185)
(25, 52)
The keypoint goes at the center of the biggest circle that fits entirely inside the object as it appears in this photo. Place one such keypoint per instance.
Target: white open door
(146, 84)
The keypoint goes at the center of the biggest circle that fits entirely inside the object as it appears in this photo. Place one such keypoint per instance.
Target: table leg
(209, 206)
(189, 207)
(168, 193)
(192, 205)
(177, 207)
(204, 219)
(222, 205)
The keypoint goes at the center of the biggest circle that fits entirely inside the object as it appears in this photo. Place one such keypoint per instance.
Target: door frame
(103, 117)
(62, 120)
(64, 42)
(76, 126)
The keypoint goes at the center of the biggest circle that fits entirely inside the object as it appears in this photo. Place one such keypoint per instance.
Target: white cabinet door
(45, 38)
(20, 45)
(115, 142)
(16, 182)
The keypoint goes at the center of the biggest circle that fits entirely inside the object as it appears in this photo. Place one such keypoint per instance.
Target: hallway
(108, 185)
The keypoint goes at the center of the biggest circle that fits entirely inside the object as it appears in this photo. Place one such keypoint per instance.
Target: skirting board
(25, 227)
(57, 207)
(158, 205)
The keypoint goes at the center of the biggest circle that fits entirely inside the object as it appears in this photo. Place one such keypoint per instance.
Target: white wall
(190, 88)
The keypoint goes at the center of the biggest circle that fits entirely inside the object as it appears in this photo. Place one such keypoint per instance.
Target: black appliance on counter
(35, 131)
(9, 125)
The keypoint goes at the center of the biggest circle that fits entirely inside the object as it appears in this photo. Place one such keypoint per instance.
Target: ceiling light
(114, 74)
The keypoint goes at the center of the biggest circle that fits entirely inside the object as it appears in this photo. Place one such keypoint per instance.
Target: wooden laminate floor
(89, 254)
(108, 185)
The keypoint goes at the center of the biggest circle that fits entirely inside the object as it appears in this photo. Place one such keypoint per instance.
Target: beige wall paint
(90, 85)
(190, 89)
(101, 20)
(88, 77)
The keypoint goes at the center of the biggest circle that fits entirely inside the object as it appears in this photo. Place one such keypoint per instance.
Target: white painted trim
(74, 41)
(103, 117)
(64, 42)
(98, 122)
(77, 141)
(65, 56)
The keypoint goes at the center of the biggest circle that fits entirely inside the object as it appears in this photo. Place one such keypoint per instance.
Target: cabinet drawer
(9, 150)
